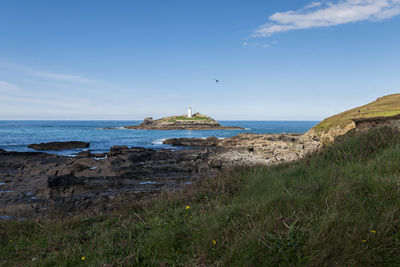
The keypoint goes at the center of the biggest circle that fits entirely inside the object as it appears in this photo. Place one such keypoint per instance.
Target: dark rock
(148, 121)
(2, 150)
(84, 154)
(98, 155)
(193, 142)
(64, 180)
(59, 145)
(118, 148)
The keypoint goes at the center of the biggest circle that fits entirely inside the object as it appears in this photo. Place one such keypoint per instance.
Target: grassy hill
(340, 207)
(384, 106)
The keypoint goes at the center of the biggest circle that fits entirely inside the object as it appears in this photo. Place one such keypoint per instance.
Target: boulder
(56, 146)
(2, 150)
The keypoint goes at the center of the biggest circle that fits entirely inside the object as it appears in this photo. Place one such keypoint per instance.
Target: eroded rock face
(56, 146)
(364, 124)
(330, 136)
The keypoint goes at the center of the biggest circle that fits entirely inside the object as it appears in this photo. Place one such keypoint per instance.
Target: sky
(126, 60)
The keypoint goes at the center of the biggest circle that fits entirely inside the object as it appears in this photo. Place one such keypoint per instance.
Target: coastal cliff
(196, 122)
(377, 113)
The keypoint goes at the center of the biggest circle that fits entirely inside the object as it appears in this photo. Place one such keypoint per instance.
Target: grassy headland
(340, 207)
(383, 107)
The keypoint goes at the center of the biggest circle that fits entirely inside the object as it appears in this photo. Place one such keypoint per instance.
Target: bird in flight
(217, 81)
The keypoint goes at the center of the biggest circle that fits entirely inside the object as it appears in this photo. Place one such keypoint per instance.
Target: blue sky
(276, 60)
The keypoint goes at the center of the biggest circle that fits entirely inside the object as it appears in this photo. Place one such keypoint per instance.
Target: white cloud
(64, 77)
(256, 45)
(324, 14)
(9, 88)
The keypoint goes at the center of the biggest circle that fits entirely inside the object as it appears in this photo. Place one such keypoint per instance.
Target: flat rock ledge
(57, 146)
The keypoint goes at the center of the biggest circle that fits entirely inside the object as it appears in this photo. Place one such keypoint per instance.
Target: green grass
(183, 118)
(319, 211)
(383, 107)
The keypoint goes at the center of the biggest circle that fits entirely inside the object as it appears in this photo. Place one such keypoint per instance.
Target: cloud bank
(324, 14)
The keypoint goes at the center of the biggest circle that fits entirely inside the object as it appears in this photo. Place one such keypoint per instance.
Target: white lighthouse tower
(189, 112)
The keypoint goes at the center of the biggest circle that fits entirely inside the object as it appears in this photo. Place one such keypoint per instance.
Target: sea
(17, 135)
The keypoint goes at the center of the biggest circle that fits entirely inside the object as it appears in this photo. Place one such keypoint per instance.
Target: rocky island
(196, 121)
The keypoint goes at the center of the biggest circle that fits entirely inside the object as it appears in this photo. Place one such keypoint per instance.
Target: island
(190, 121)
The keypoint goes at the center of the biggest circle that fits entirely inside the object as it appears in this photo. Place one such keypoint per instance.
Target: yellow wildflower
(187, 207)
(83, 258)
(213, 242)
(10, 241)
(373, 231)
(364, 241)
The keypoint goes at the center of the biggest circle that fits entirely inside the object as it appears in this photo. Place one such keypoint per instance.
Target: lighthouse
(189, 112)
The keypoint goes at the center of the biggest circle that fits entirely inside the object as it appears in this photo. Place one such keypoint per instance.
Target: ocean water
(17, 135)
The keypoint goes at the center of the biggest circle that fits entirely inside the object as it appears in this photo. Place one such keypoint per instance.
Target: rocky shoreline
(37, 184)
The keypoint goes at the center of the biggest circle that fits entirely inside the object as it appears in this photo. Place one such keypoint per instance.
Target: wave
(147, 182)
(158, 141)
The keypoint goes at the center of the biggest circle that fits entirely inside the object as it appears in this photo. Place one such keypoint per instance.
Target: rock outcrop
(330, 135)
(261, 148)
(57, 146)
